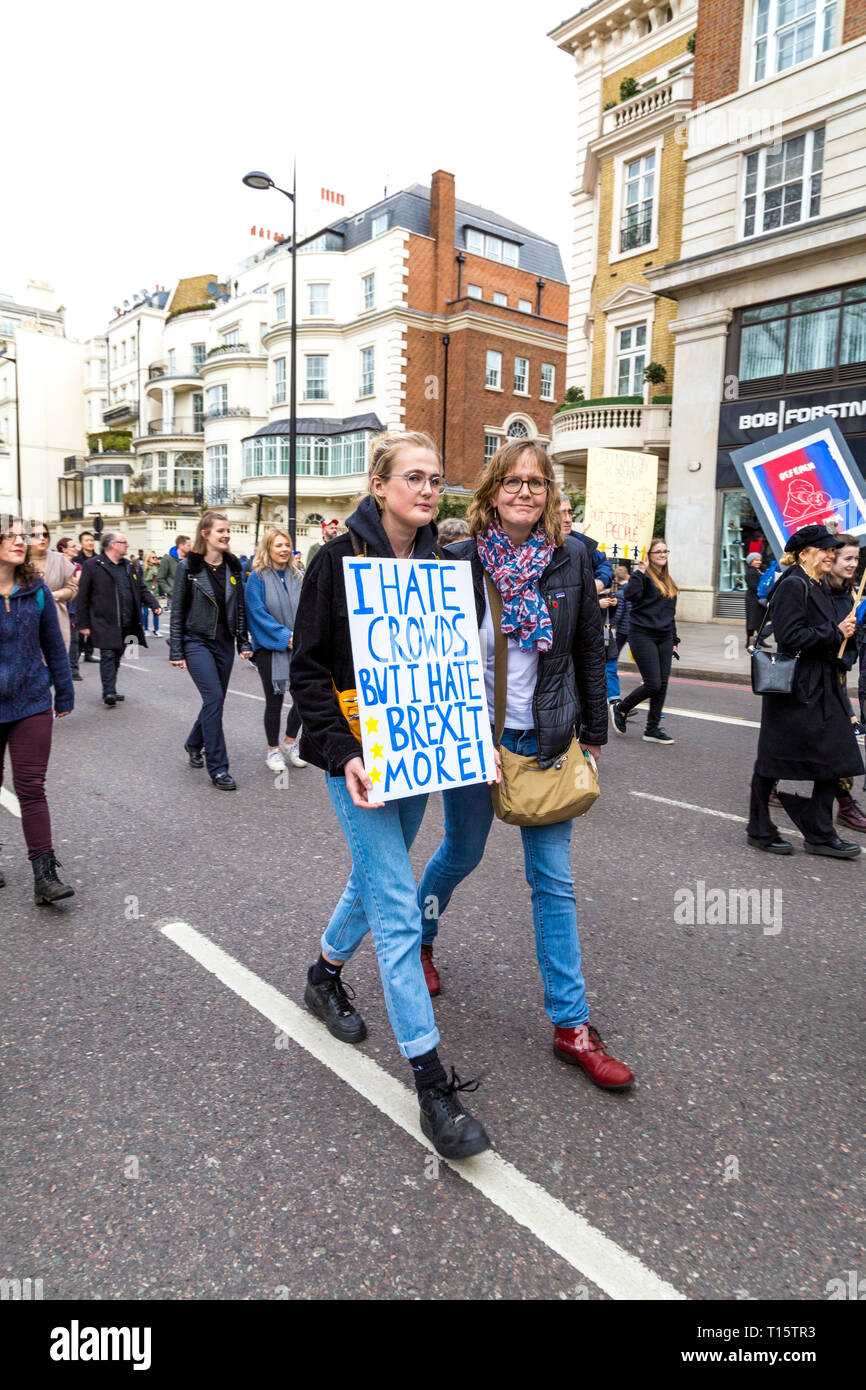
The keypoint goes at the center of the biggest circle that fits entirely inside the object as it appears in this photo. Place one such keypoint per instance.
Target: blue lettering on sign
(363, 607)
(440, 765)
(393, 772)
(463, 757)
(399, 737)
(422, 769)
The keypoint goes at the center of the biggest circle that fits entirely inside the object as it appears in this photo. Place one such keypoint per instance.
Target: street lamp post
(5, 355)
(256, 179)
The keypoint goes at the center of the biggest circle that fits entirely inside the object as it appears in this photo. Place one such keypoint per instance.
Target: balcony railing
(176, 426)
(225, 348)
(611, 426)
(226, 412)
(127, 410)
(677, 89)
(635, 231)
(189, 367)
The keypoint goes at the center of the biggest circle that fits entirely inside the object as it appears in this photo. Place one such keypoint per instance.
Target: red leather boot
(850, 813)
(431, 974)
(584, 1048)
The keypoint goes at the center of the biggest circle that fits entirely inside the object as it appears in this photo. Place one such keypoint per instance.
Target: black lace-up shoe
(224, 782)
(329, 1001)
(47, 887)
(451, 1130)
(617, 716)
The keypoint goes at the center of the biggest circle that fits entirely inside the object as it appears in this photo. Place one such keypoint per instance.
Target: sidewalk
(715, 651)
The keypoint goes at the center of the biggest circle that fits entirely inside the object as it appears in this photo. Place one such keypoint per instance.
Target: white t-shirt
(522, 675)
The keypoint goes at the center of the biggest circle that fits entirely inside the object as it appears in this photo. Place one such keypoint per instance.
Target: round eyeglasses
(536, 485)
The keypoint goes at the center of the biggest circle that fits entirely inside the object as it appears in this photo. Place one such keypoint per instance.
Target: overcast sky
(129, 126)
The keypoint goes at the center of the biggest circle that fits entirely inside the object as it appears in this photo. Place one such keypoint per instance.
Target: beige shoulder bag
(529, 794)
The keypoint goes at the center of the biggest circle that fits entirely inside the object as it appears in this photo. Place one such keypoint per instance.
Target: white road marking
(706, 810)
(247, 694)
(700, 714)
(10, 801)
(568, 1235)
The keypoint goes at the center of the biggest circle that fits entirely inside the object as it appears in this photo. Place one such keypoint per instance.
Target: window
(232, 338)
(198, 410)
(517, 430)
(260, 289)
(103, 404)
(630, 360)
(114, 355)
(324, 456)
(216, 474)
(187, 473)
(473, 292)
(162, 472)
(88, 492)
(90, 415)
(217, 401)
(790, 31)
(123, 351)
(548, 376)
(319, 300)
(500, 298)
(198, 355)
(280, 306)
(525, 305)
(279, 380)
(783, 183)
(172, 361)
(367, 371)
(637, 219)
(521, 374)
(112, 489)
(7, 327)
(103, 369)
(494, 370)
(379, 224)
(491, 444)
(263, 328)
(146, 470)
(368, 291)
(493, 247)
(316, 385)
(823, 332)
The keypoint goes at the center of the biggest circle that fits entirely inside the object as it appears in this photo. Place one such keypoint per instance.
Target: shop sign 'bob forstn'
(421, 703)
(800, 477)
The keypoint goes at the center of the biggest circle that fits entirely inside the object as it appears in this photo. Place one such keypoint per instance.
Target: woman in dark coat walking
(754, 611)
(807, 735)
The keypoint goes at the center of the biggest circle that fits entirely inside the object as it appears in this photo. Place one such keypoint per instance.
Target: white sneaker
(275, 761)
(291, 752)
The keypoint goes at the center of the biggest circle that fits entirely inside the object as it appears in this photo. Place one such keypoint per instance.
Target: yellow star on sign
(376, 774)
(377, 751)
(372, 726)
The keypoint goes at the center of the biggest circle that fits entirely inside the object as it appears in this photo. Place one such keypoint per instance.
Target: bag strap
(790, 574)
(500, 659)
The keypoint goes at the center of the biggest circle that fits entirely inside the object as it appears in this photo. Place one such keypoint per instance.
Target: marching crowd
(556, 616)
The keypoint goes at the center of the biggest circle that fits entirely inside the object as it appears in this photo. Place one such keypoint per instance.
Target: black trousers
(274, 701)
(109, 660)
(653, 656)
(813, 815)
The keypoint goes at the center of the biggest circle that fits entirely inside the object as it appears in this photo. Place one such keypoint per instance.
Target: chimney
(442, 210)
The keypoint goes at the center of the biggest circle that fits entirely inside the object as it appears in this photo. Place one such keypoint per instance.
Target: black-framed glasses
(39, 535)
(536, 485)
(415, 481)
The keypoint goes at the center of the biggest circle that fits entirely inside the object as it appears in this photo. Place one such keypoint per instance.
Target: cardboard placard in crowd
(620, 509)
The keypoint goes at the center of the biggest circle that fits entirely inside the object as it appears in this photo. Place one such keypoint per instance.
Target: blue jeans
(210, 662)
(547, 863)
(380, 897)
(611, 671)
(144, 612)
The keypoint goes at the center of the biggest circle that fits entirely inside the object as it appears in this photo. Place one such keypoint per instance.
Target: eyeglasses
(39, 535)
(536, 485)
(660, 553)
(416, 482)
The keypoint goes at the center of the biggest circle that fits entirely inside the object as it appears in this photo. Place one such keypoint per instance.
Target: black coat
(321, 645)
(194, 611)
(570, 691)
(98, 602)
(807, 735)
(754, 610)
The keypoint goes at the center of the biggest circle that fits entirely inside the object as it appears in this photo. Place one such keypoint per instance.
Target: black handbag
(772, 673)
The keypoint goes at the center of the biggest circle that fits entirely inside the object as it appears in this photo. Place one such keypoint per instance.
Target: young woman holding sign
(555, 677)
(394, 521)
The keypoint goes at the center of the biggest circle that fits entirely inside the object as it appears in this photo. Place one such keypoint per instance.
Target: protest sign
(620, 501)
(803, 476)
(420, 681)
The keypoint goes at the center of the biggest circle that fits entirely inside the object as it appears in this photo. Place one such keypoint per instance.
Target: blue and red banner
(802, 477)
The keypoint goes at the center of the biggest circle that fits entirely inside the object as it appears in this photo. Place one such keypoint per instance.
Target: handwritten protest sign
(621, 501)
(803, 476)
(418, 671)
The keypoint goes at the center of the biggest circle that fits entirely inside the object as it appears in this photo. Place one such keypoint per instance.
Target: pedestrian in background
(208, 620)
(150, 574)
(168, 567)
(271, 596)
(452, 529)
(67, 547)
(56, 570)
(616, 628)
(111, 595)
(754, 611)
(840, 580)
(807, 735)
(329, 531)
(394, 521)
(32, 659)
(86, 551)
(652, 637)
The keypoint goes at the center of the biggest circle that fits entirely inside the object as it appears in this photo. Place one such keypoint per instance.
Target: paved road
(166, 1138)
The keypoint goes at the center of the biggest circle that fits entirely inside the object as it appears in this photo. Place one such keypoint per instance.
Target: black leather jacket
(194, 612)
(570, 691)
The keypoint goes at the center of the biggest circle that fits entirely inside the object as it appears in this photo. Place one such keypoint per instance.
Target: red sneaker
(431, 974)
(583, 1047)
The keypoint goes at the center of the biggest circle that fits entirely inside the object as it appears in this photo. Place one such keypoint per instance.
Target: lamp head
(256, 179)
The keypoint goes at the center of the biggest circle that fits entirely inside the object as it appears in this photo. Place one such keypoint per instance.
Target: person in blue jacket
(33, 657)
(272, 593)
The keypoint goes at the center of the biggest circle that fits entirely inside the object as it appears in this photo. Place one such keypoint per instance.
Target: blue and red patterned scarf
(516, 571)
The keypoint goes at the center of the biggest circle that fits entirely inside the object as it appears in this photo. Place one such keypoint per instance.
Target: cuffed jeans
(380, 897)
(547, 863)
(210, 662)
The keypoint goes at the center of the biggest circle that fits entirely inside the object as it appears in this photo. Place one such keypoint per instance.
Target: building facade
(769, 287)
(634, 83)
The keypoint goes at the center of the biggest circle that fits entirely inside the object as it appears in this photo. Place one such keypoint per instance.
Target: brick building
(769, 287)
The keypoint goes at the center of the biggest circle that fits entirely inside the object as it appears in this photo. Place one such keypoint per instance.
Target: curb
(693, 673)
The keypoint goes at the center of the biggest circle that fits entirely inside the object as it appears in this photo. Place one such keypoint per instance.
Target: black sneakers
(658, 736)
(451, 1130)
(329, 1001)
(618, 718)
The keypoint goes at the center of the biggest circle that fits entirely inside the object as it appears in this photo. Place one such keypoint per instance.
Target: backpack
(765, 583)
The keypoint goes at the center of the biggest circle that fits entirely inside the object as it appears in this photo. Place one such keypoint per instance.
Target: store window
(741, 536)
(630, 359)
(783, 343)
